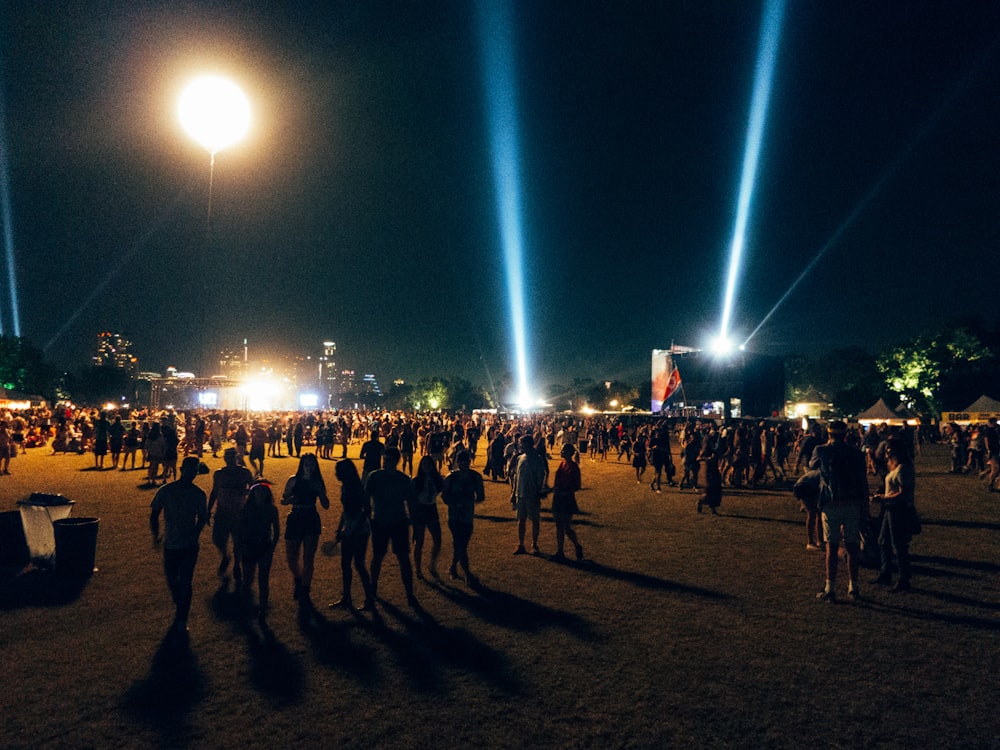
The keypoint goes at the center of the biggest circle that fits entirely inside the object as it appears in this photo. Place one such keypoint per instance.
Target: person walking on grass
(463, 490)
(564, 489)
(427, 486)
(303, 525)
(259, 533)
(353, 531)
(843, 497)
(391, 493)
(229, 491)
(185, 513)
(898, 516)
(528, 482)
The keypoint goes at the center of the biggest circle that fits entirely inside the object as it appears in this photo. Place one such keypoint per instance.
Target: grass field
(679, 630)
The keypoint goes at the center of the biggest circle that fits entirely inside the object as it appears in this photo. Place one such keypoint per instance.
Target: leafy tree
(848, 378)
(400, 396)
(23, 368)
(917, 371)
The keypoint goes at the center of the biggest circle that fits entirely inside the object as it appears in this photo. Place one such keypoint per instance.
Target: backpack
(838, 483)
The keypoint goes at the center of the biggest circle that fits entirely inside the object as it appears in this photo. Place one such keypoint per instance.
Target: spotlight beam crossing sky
(567, 160)
(767, 54)
(496, 34)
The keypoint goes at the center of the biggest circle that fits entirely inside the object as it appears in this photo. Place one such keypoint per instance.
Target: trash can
(37, 514)
(13, 548)
(76, 546)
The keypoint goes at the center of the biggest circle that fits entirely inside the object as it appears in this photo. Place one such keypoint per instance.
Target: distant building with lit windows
(369, 385)
(114, 350)
(328, 375)
(233, 363)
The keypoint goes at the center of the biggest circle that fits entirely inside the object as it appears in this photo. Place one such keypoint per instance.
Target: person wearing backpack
(843, 497)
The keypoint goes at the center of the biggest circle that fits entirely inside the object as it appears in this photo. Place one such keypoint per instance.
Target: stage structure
(182, 394)
(694, 382)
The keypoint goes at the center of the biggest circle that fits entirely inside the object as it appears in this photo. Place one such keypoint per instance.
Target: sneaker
(854, 595)
(558, 557)
(520, 550)
(813, 547)
(535, 550)
(827, 596)
(882, 579)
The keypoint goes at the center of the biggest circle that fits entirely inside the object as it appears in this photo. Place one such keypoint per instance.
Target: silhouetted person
(185, 513)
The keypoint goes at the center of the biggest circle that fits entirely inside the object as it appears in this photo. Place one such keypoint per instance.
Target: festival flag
(673, 383)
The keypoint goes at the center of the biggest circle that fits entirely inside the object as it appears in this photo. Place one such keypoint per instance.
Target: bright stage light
(770, 34)
(721, 346)
(261, 394)
(215, 112)
(498, 64)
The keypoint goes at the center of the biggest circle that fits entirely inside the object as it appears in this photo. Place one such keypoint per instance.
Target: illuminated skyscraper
(328, 375)
(114, 350)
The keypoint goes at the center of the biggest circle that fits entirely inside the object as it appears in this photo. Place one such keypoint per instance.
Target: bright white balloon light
(721, 345)
(215, 112)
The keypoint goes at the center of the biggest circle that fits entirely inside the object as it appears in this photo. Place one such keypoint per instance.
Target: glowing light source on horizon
(215, 112)
(495, 28)
(767, 52)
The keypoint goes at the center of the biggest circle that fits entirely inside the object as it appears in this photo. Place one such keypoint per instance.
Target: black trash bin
(13, 546)
(76, 546)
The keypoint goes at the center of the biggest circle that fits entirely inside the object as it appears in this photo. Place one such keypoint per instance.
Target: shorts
(257, 550)
(836, 516)
(302, 523)
(100, 447)
(223, 527)
(529, 508)
(398, 533)
(257, 454)
(425, 514)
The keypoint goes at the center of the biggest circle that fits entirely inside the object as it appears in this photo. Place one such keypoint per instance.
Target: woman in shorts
(259, 534)
(354, 530)
(303, 525)
(424, 516)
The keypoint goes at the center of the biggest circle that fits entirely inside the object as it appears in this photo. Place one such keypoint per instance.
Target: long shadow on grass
(954, 562)
(333, 646)
(274, 670)
(38, 588)
(417, 663)
(644, 581)
(960, 524)
(764, 519)
(174, 686)
(511, 611)
(457, 648)
(980, 623)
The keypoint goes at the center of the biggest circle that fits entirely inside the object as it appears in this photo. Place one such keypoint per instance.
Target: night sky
(361, 207)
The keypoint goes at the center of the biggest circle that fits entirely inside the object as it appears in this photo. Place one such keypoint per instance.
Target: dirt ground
(679, 630)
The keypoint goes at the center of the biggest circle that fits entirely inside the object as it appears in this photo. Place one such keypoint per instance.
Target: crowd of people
(388, 502)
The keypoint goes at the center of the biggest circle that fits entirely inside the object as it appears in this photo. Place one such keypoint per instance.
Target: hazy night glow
(770, 34)
(7, 219)
(498, 65)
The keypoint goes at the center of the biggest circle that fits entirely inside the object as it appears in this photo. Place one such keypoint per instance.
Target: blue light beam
(767, 53)
(902, 157)
(6, 219)
(495, 30)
